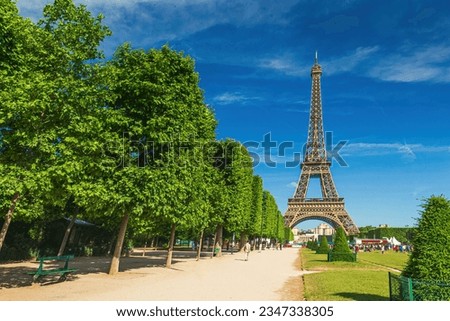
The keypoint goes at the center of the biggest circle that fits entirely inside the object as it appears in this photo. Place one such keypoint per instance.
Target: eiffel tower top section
(315, 145)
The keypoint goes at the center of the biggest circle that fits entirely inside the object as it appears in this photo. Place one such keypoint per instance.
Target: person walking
(247, 249)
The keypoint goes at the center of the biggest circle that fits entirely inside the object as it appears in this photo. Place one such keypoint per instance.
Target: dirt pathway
(268, 275)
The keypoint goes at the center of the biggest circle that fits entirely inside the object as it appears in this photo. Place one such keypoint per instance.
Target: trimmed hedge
(341, 256)
(323, 247)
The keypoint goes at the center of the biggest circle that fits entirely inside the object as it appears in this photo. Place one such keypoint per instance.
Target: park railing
(402, 288)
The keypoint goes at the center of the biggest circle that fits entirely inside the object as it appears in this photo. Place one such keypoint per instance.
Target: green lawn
(364, 280)
(389, 259)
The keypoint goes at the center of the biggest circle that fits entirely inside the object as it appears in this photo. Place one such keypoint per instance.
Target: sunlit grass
(364, 280)
(389, 259)
(347, 285)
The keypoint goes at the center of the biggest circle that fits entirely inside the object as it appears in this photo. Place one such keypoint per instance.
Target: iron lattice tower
(330, 207)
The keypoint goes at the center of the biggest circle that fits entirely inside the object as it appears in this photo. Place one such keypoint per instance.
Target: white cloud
(231, 98)
(165, 20)
(349, 62)
(292, 184)
(407, 64)
(294, 66)
(414, 65)
(287, 65)
(407, 151)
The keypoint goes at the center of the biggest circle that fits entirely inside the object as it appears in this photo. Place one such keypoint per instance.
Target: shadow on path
(16, 275)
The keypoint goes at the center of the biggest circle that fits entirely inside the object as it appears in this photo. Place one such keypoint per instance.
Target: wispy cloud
(406, 63)
(412, 64)
(351, 61)
(233, 97)
(407, 151)
(294, 66)
(286, 64)
(166, 20)
(292, 184)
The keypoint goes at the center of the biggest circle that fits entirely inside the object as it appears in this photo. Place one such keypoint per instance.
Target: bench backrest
(56, 258)
(65, 258)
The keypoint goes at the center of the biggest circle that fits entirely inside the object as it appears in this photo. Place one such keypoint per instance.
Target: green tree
(323, 246)
(163, 176)
(270, 215)
(48, 109)
(341, 242)
(232, 210)
(341, 250)
(257, 207)
(431, 243)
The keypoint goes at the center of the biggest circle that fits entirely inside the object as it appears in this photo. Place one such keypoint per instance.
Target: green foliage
(271, 216)
(288, 234)
(323, 246)
(132, 135)
(341, 250)
(341, 242)
(339, 256)
(431, 243)
(234, 166)
(402, 234)
(312, 245)
(75, 31)
(257, 206)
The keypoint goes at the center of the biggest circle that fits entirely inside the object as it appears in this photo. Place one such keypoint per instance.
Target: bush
(341, 242)
(341, 251)
(431, 242)
(312, 245)
(337, 256)
(323, 247)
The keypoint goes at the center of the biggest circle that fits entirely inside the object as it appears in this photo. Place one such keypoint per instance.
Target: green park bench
(62, 271)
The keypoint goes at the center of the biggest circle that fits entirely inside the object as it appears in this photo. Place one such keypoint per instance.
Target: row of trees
(128, 143)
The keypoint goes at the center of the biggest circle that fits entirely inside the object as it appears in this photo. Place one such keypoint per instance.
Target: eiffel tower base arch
(330, 211)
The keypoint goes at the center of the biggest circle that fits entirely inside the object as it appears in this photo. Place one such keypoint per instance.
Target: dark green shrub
(312, 245)
(341, 242)
(429, 260)
(346, 257)
(341, 250)
(323, 247)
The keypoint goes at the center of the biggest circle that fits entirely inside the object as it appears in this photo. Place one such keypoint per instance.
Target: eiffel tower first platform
(330, 207)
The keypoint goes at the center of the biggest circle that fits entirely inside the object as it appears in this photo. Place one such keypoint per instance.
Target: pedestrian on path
(247, 249)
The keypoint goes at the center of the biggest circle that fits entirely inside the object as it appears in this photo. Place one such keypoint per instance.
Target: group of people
(382, 247)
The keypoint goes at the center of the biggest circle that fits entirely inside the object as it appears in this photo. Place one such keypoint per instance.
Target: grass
(389, 259)
(364, 280)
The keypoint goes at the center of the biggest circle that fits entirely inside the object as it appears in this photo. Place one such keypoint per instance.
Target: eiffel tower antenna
(330, 207)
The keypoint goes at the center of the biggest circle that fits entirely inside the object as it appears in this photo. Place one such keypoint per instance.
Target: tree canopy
(128, 144)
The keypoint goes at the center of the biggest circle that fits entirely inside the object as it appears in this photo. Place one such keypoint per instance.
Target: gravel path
(263, 277)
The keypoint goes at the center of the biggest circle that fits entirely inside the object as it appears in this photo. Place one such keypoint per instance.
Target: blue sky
(385, 86)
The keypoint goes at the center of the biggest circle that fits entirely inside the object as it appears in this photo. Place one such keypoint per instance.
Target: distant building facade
(303, 236)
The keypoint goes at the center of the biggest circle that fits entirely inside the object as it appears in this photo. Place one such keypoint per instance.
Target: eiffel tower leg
(302, 186)
(328, 188)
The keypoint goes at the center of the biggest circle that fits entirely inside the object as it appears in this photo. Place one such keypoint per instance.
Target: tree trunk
(170, 249)
(66, 235)
(8, 218)
(242, 242)
(114, 268)
(199, 246)
(218, 241)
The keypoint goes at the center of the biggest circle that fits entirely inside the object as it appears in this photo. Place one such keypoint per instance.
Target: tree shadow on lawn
(362, 296)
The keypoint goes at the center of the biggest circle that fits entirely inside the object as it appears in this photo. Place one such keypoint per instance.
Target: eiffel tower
(330, 207)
